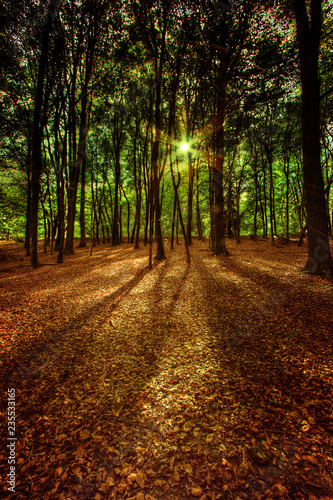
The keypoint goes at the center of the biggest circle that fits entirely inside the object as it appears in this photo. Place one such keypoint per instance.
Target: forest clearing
(209, 380)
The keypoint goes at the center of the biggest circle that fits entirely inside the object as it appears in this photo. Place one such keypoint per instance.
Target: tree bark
(37, 137)
(308, 35)
(190, 200)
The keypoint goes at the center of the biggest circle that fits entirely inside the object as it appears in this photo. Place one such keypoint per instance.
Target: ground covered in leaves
(210, 380)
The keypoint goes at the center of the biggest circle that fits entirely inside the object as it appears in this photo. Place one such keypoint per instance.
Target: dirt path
(211, 380)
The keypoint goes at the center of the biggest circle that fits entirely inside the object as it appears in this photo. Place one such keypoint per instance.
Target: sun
(184, 146)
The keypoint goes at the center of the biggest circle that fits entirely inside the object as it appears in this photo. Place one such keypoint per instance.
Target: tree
(39, 122)
(309, 25)
(155, 39)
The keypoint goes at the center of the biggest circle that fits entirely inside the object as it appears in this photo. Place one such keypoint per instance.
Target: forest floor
(210, 380)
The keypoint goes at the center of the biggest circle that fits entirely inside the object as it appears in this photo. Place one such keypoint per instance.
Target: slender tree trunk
(175, 205)
(199, 225)
(37, 136)
(160, 253)
(83, 243)
(265, 222)
(79, 157)
(27, 242)
(61, 212)
(190, 200)
(128, 215)
(45, 226)
(115, 231)
(238, 218)
(287, 198)
(61, 201)
(256, 199)
(177, 229)
(138, 221)
(219, 219)
(212, 211)
(173, 222)
(271, 199)
(179, 211)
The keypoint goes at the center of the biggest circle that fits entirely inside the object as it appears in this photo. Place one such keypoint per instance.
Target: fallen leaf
(279, 490)
(188, 469)
(80, 452)
(140, 479)
(59, 471)
(110, 481)
(161, 484)
(85, 434)
(122, 486)
(310, 459)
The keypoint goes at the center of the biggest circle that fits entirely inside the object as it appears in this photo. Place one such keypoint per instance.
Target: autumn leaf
(140, 478)
(279, 490)
(188, 469)
(196, 491)
(176, 475)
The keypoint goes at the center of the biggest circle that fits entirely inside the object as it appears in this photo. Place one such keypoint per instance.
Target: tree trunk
(287, 198)
(115, 230)
(175, 186)
(199, 225)
(61, 212)
(190, 201)
(256, 199)
(160, 254)
(308, 34)
(271, 196)
(37, 136)
(175, 205)
(27, 242)
(219, 247)
(83, 243)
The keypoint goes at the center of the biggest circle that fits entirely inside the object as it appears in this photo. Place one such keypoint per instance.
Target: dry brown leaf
(80, 452)
(140, 478)
(122, 486)
(160, 483)
(310, 459)
(279, 490)
(188, 469)
(59, 471)
(110, 481)
(85, 434)
(150, 473)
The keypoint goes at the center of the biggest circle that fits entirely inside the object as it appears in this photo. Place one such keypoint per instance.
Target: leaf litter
(209, 380)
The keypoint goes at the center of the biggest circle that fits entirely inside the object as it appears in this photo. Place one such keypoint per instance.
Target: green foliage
(251, 49)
